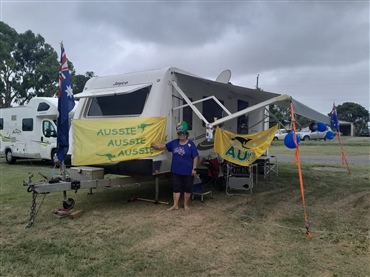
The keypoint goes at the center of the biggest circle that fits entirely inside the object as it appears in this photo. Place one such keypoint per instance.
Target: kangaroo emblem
(109, 156)
(242, 141)
(143, 126)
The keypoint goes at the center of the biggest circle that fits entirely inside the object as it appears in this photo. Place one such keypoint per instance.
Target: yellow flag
(243, 149)
(116, 140)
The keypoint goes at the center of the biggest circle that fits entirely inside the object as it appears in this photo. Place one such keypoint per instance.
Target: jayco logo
(120, 83)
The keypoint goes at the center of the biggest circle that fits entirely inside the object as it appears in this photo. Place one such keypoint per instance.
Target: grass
(261, 234)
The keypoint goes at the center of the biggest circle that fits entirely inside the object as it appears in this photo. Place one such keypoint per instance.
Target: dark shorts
(182, 183)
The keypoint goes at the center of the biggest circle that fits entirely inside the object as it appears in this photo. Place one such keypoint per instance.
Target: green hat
(182, 126)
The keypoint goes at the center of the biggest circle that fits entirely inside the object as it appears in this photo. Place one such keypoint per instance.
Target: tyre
(306, 138)
(276, 138)
(9, 157)
(68, 203)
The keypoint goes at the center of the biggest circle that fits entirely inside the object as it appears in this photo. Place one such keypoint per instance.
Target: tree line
(29, 67)
(348, 111)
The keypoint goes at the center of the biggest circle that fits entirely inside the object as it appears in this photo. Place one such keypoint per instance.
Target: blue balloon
(330, 135)
(289, 140)
(321, 127)
(313, 127)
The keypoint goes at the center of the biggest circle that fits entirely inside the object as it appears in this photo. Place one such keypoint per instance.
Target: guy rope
(298, 162)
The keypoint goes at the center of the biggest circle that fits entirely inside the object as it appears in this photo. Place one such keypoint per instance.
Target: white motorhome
(29, 131)
(177, 95)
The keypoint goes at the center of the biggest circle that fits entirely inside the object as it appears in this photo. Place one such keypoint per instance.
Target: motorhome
(169, 93)
(29, 131)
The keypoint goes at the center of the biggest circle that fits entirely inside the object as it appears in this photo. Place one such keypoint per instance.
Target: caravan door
(48, 136)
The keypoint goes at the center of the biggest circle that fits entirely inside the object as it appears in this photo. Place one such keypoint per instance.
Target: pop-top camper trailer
(29, 131)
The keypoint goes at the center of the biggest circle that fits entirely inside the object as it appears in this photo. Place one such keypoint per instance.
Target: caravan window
(27, 124)
(48, 129)
(1, 123)
(43, 107)
(211, 110)
(129, 104)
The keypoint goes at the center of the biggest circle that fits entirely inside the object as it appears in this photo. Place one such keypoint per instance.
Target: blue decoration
(321, 127)
(313, 127)
(330, 135)
(289, 140)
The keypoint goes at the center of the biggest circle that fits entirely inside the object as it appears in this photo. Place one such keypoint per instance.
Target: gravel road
(354, 160)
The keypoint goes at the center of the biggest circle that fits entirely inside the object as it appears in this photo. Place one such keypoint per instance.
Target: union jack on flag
(65, 104)
(334, 124)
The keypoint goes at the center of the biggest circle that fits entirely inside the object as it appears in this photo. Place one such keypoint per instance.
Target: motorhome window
(48, 129)
(43, 107)
(1, 123)
(129, 104)
(212, 110)
(27, 124)
(242, 122)
(187, 115)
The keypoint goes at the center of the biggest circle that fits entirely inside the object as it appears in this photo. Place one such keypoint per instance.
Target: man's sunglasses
(182, 133)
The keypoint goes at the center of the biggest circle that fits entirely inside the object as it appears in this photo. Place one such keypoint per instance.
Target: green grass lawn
(262, 234)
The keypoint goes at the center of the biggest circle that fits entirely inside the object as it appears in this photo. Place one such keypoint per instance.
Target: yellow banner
(116, 140)
(243, 149)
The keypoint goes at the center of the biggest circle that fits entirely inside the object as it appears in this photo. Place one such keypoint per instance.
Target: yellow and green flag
(242, 149)
(116, 140)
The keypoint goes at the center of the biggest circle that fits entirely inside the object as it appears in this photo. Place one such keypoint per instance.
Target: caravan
(168, 93)
(117, 118)
(111, 107)
(29, 131)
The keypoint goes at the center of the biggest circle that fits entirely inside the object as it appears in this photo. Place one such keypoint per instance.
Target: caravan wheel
(9, 157)
(68, 203)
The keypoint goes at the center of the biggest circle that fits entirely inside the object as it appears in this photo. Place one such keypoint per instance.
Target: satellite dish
(224, 77)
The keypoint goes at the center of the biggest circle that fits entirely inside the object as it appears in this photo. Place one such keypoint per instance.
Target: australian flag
(334, 124)
(65, 104)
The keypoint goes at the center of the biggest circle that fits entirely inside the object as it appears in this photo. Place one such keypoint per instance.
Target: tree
(29, 67)
(8, 39)
(279, 115)
(79, 81)
(355, 113)
(37, 68)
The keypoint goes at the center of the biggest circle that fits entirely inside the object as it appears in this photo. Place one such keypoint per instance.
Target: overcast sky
(315, 51)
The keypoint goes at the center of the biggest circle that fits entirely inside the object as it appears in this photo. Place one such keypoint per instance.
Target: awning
(258, 98)
(110, 91)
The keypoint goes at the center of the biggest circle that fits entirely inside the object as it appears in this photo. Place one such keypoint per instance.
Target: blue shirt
(182, 156)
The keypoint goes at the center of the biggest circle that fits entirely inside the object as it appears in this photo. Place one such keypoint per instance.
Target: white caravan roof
(188, 82)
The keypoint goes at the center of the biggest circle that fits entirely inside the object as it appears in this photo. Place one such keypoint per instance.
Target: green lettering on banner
(115, 132)
(136, 151)
(125, 142)
(230, 152)
(241, 155)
